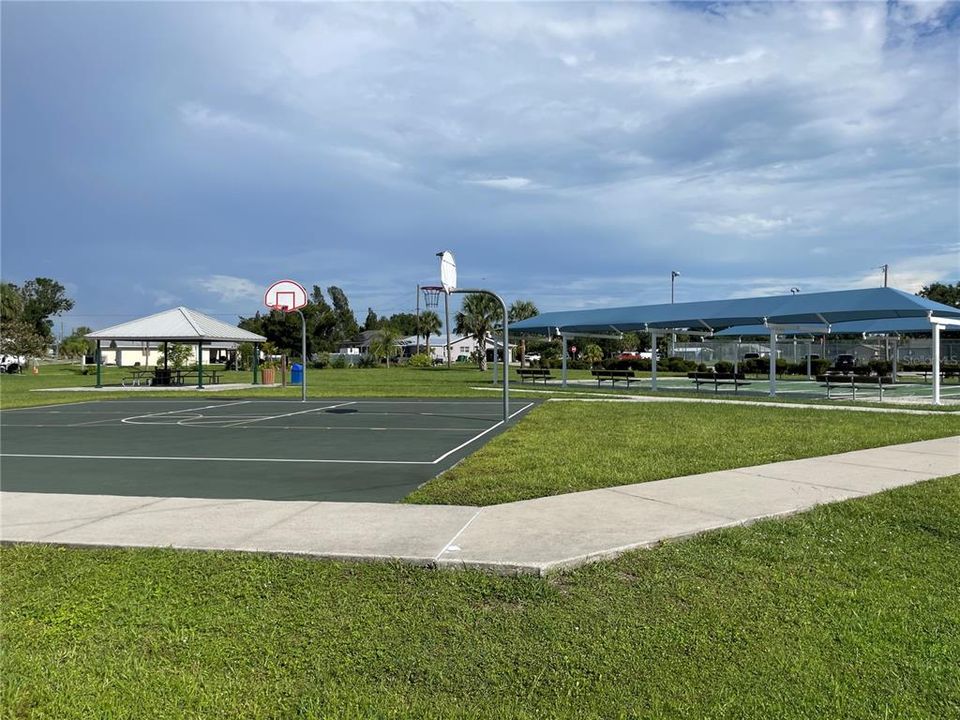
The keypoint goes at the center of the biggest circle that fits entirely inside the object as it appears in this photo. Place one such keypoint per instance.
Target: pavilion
(880, 309)
(179, 325)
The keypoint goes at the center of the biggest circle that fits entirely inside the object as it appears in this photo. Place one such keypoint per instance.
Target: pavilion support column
(563, 360)
(773, 363)
(653, 360)
(99, 367)
(809, 352)
(936, 364)
(200, 365)
(166, 356)
(256, 361)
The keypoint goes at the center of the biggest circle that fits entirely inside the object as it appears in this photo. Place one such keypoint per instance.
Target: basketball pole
(446, 310)
(303, 355)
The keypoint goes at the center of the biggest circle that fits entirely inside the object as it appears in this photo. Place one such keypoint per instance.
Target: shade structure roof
(180, 324)
(886, 326)
(820, 309)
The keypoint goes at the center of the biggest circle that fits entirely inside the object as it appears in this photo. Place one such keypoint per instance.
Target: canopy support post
(199, 364)
(653, 360)
(99, 367)
(563, 360)
(256, 361)
(809, 351)
(936, 364)
(773, 363)
(895, 357)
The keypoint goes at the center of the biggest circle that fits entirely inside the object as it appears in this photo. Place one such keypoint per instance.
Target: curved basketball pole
(506, 345)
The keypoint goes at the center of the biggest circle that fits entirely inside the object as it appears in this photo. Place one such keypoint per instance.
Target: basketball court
(367, 449)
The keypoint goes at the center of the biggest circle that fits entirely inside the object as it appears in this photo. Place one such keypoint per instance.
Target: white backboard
(286, 295)
(448, 271)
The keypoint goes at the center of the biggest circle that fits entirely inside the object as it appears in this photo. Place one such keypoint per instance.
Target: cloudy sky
(572, 154)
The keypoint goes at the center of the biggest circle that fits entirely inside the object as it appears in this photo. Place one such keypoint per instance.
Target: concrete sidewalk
(532, 536)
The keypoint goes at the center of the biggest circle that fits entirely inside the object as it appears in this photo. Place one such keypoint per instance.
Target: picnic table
(533, 374)
(613, 375)
(718, 379)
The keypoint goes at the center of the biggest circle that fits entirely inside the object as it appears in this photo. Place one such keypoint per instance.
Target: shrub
(420, 360)
(701, 367)
(339, 362)
(320, 360)
(368, 361)
(723, 367)
(819, 366)
(880, 367)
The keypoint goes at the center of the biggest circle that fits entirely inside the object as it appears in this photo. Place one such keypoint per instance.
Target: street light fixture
(673, 276)
(794, 290)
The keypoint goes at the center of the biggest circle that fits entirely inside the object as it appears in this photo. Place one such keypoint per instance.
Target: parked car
(532, 357)
(844, 363)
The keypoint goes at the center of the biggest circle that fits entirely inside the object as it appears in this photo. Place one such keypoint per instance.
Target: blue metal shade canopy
(812, 309)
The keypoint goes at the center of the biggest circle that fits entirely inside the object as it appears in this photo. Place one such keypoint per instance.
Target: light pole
(885, 267)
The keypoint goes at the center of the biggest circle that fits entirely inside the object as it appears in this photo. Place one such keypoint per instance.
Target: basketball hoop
(431, 296)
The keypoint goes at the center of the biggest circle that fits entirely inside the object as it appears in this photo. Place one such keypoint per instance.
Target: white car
(532, 357)
(12, 363)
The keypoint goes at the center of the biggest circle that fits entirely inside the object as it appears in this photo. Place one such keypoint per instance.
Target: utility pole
(418, 319)
(885, 267)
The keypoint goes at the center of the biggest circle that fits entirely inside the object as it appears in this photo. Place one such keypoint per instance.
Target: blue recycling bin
(296, 374)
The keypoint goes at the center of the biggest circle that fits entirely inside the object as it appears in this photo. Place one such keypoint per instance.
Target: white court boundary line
(317, 461)
(171, 412)
(276, 417)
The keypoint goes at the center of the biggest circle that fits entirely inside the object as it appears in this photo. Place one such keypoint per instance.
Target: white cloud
(198, 115)
(745, 224)
(504, 183)
(230, 289)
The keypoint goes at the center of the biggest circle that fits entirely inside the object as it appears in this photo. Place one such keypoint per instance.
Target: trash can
(296, 374)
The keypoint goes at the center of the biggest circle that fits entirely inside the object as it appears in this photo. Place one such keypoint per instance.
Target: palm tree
(384, 343)
(521, 310)
(478, 315)
(429, 325)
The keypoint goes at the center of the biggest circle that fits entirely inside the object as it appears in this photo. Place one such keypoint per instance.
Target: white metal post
(653, 360)
(773, 363)
(563, 367)
(809, 352)
(936, 364)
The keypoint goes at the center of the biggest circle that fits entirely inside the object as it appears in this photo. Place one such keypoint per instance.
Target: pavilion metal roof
(180, 324)
(819, 309)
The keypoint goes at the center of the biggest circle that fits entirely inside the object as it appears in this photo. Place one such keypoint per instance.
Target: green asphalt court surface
(362, 450)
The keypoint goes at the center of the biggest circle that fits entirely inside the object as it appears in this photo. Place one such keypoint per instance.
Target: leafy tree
(372, 322)
(405, 323)
(478, 315)
(11, 302)
(942, 293)
(176, 355)
(20, 337)
(592, 353)
(76, 345)
(384, 343)
(630, 342)
(346, 324)
(430, 324)
(42, 298)
(521, 310)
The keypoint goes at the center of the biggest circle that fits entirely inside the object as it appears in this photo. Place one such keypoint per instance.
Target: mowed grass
(847, 611)
(567, 446)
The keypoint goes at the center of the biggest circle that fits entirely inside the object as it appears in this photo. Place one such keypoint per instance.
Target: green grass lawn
(847, 611)
(562, 447)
